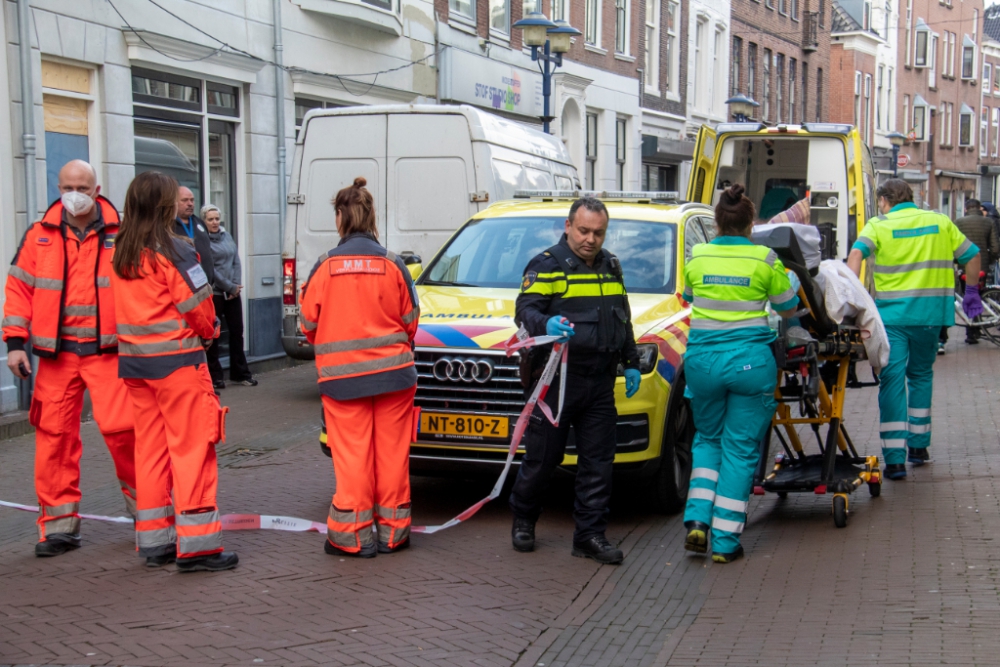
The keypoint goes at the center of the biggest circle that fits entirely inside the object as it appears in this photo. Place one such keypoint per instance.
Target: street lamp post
(548, 41)
(742, 107)
(897, 140)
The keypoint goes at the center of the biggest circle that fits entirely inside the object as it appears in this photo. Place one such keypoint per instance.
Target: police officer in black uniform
(576, 290)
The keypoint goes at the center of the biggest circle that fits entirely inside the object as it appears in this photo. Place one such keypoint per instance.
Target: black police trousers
(590, 409)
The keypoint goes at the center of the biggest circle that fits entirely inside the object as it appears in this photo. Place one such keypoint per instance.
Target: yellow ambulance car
(469, 391)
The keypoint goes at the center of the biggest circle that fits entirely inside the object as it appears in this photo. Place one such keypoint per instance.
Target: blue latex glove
(633, 378)
(559, 326)
(972, 304)
(794, 280)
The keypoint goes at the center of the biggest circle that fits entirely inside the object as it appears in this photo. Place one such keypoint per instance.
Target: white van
(429, 167)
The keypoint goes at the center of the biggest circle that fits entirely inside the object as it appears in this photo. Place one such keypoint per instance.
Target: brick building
(939, 87)
(989, 114)
(781, 58)
(666, 148)
(853, 56)
(595, 94)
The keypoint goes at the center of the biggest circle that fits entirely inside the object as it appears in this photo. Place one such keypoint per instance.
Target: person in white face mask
(59, 294)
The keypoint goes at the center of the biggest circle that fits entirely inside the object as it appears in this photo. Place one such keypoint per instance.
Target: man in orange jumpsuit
(59, 293)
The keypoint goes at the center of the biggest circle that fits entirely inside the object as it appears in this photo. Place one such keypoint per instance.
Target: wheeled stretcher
(816, 365)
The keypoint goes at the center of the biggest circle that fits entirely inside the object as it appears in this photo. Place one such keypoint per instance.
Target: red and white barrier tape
(557, 359)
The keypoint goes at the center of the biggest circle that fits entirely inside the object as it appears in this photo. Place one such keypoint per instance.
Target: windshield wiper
(448, 283)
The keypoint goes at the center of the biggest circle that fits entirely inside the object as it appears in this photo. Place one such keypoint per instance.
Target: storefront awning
(666, 151)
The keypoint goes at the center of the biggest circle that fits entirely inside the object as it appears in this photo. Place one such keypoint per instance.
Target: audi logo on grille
(463, 370)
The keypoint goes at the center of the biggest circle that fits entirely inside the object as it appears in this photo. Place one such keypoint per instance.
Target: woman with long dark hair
(165, 319)
(730, 371)
(359, 309)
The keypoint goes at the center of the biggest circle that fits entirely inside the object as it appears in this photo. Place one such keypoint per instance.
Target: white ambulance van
(429, 167)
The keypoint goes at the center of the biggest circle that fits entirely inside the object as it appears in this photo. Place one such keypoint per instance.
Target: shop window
(66, 103)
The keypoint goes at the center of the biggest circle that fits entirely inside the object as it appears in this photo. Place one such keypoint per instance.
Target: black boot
(522, 534)
(367, 551)
(57, 544)
(225, 560)
(918, 456)
(894, 471)
(162, 559)
(386, 549)
(728, 558)
(598, 548)
(697, 537)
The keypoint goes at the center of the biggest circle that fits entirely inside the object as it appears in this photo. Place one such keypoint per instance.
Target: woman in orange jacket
(165, 318)
(359, 309)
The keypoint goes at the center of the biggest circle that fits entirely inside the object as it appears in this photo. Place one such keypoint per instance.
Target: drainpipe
(28, 141)
(279, 94)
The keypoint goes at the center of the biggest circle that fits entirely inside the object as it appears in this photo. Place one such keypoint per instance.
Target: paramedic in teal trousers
(914, 253)
(730, 371)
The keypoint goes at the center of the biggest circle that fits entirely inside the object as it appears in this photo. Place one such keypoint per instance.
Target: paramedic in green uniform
(730, 371)
(914, 253)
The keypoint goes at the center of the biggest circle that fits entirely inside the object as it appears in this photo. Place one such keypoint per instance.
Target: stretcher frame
(816, 374)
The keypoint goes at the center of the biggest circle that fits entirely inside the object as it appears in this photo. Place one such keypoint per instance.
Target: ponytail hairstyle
(357, 209)
(735, 212)
(147, 224)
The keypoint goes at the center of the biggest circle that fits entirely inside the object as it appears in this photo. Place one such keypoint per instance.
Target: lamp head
(560, 36)
(535, 26)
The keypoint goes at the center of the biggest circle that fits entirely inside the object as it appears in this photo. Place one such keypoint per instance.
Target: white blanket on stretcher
(845, 297)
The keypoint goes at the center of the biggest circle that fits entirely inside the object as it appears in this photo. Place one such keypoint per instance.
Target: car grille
(501, 395)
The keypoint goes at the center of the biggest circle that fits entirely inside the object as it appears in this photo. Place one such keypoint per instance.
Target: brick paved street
(910, 581)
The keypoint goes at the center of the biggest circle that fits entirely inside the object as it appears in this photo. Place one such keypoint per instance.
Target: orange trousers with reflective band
(369, 441)
(56, 405)
(178, 421)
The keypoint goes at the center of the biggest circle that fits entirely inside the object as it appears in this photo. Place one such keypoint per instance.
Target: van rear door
(431, 175)
(701, 185)
(336, 150)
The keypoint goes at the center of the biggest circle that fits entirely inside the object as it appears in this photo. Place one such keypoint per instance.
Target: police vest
(38, 298)
(592, 298)
(731, 285)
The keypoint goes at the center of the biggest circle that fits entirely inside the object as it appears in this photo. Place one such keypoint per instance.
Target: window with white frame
(921, 112)
(943, 124)
(794, 6)
(975, 26)
(949, 55)
(735, 62)
(500, 16)
(965, 120)
(951, 121)
(909, 31)
(752, 70)
(805, 93)
(779, 84)
(819, 94)
(68, 105)
(621, 26)
(792, 81)
(968, 58)
(672, 61)
(878, 97)
(932, 64)
(652, 72)
(700, 73)
(783, 7)
(996, 132)
(769, 4)
(906, 115)
(718, 73)
(560, 10)
(886, 13)
(620, 154)
(866, 16)
(463, 8)
(984, 130)
(890, 105)
(590, 175)
(922, 45)
(987, 77)
(591, 22)
(867, 110)
(530, 6)
(996, 80)
(857, 99)
(766, 72)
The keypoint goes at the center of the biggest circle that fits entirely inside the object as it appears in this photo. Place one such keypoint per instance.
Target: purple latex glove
(972, 304)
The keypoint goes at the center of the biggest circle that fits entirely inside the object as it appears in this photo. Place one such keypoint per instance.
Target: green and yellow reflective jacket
(729, 283)
(914, 252)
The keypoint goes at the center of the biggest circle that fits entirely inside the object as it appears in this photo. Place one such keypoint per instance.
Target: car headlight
(647, 358)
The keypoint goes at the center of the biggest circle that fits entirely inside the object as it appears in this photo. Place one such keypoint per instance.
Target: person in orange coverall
(359, 309)
(166, 318)
(58, 295)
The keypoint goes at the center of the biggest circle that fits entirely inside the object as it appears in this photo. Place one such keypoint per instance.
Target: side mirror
(415, 270)
(409, 258)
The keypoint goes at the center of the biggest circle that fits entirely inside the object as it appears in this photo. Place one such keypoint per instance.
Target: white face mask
(77, 203)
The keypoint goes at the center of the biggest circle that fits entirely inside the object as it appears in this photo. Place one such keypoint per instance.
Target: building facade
(939, 67)
(781, 58)
(989, 114)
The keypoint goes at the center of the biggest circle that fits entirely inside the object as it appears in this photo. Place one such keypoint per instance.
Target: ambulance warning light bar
(615, 195)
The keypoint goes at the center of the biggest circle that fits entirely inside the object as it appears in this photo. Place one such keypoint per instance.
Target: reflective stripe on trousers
(198, 533)
(349, 530)
(59, 519)
(393, 524)
(154, 531)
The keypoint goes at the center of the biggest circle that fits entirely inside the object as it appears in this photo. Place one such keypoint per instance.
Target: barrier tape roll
(557, 359)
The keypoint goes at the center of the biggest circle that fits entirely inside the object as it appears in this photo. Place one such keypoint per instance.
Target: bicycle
(989, 321)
